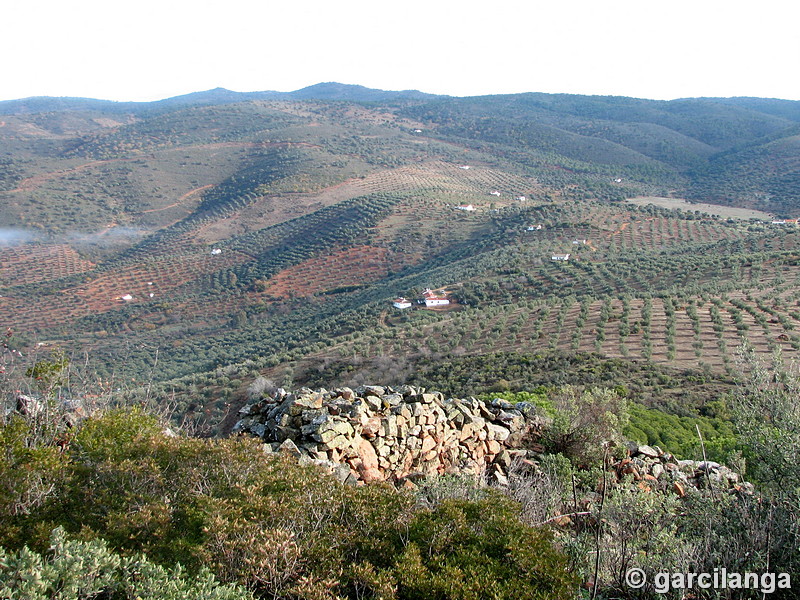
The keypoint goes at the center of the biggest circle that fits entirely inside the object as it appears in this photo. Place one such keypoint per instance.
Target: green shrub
(678, 435)
(472, 550)
(127, 489)
(31, 478)
(77, 570)
(583, 422)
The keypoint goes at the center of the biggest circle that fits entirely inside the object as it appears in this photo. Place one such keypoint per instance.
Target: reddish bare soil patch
(33, 263)
(346, 267)
(108, 291)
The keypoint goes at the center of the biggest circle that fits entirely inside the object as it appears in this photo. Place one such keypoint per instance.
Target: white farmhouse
(560, 257)
(431, 298)
(401, 303)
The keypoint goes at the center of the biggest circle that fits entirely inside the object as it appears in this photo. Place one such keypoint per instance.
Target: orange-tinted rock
(367, 454)
(371, 427)
(428, 444)
(493, 447)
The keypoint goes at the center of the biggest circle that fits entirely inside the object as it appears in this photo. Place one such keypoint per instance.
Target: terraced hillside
(191, 242)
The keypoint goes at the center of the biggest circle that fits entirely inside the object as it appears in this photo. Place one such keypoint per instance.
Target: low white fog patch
(112, 236)
(15, 237)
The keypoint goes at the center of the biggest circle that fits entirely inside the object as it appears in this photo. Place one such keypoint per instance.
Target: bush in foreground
(130, 496)
(76, 570)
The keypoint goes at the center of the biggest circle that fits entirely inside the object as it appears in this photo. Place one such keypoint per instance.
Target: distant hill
(44, 104)
(355, 93)
(320, 91)
(788, 109)
(693, 147)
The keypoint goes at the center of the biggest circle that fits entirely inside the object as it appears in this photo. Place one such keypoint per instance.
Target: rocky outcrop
(378, 433)
(652, 468)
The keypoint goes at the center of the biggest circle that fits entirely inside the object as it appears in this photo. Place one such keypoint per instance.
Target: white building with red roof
(430, 298)
(401, 303)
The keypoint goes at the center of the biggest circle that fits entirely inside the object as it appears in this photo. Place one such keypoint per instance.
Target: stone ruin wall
(385, 434)
(404, 434)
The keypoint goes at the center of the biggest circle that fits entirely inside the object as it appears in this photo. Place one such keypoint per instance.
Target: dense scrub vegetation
(122, 488)
(120, 505)
(721, 151)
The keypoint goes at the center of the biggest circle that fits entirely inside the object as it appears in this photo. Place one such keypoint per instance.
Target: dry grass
(726, 212)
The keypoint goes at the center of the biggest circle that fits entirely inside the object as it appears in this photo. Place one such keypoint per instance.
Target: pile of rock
(378, 433)
(653, 468)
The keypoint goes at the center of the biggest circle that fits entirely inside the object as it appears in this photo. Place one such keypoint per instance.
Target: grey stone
(502, 404)
(500, 478)
(341, 472)
(373, 403)
(497, 432)
(373, 390)
(290, 448)
(648, 451)
(393, 399)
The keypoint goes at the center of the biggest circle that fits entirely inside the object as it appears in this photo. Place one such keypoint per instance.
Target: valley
(189, 245)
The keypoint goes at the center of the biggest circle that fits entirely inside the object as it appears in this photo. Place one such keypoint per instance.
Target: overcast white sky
(153, 49)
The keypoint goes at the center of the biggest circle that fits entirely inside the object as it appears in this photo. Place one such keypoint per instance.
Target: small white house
(578, 242)
(495, 193)
(216, 251)
(465, 167)
(466, 207)
(560, 257)
(401, 303)
(532, 228)
(521, 198)
(430, 298)
(127, 297)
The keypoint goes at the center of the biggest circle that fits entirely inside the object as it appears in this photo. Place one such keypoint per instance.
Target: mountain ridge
(355, 92)
(319, 91)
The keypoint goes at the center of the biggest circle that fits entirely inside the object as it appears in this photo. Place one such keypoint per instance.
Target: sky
(153, 49)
